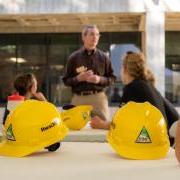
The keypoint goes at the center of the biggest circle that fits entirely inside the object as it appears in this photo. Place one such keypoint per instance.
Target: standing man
(89, 72)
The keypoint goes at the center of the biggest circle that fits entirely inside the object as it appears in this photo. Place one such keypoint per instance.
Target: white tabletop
(87, 134)
(87, 161)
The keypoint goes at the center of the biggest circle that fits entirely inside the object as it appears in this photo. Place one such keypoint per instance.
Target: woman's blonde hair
(135, 64)
(150, 77)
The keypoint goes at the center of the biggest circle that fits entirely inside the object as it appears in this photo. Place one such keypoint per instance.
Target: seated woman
(139, 87)
(26, 85)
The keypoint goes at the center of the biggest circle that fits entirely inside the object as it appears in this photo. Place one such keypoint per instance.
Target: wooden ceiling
(61, 23)
(172, 22)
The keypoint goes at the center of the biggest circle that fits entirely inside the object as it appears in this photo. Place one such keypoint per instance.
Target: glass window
(116, 45)
(7, 70)
(117, 51)
(61, 46)
(33, 60)
(46, 55)
(172, 70)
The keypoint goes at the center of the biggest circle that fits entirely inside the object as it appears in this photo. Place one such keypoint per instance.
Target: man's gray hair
(86, 29)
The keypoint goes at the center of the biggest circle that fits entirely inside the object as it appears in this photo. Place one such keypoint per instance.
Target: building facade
(38, 36)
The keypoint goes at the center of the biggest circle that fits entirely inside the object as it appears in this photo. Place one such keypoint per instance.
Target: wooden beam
(115, 20)
(142, 23)
(22, 21)
(53, 21)
(143, 42)
(84, 20)
(67, 29)
(107, 22)
(127, 15)
(172, 22)
(172, 27)
(118, 28)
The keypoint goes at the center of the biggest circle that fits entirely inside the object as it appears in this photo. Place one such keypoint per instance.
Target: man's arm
(70, 78)
(109, 77)
(98, 123)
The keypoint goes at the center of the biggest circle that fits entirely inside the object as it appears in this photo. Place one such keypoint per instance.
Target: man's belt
(86, 93)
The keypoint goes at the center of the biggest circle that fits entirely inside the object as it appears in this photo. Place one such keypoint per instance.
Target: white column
(155, 46)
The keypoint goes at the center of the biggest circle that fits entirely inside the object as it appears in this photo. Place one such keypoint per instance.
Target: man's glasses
(94, 34)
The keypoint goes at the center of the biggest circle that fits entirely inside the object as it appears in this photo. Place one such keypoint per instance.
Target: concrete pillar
(155, 46)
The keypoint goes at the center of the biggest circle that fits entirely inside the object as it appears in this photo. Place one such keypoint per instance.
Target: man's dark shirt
(96, 61)
(141, 91)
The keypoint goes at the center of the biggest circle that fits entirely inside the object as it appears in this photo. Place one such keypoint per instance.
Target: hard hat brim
(7, 149)
(139, 153)
(72, 118)
(10, 148)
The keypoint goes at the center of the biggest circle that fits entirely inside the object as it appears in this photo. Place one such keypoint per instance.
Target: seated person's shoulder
(139, 89)
(142, 84)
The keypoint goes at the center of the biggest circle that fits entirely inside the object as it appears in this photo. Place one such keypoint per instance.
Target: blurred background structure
(38, 36)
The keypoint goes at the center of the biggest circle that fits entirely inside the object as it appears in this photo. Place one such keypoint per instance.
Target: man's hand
(88, 76)
(94, 79)
(83, 76)
(98, 123)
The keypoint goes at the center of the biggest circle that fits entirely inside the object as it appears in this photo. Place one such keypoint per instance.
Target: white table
(87, 161)
(87, 134)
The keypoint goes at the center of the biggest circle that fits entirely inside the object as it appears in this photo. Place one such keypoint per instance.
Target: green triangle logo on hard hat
(10, 134)
(84, 115)
(143, 136)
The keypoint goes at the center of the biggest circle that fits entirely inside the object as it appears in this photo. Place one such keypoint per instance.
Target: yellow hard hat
(32, 126)
(77, 117)
(138, 131)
